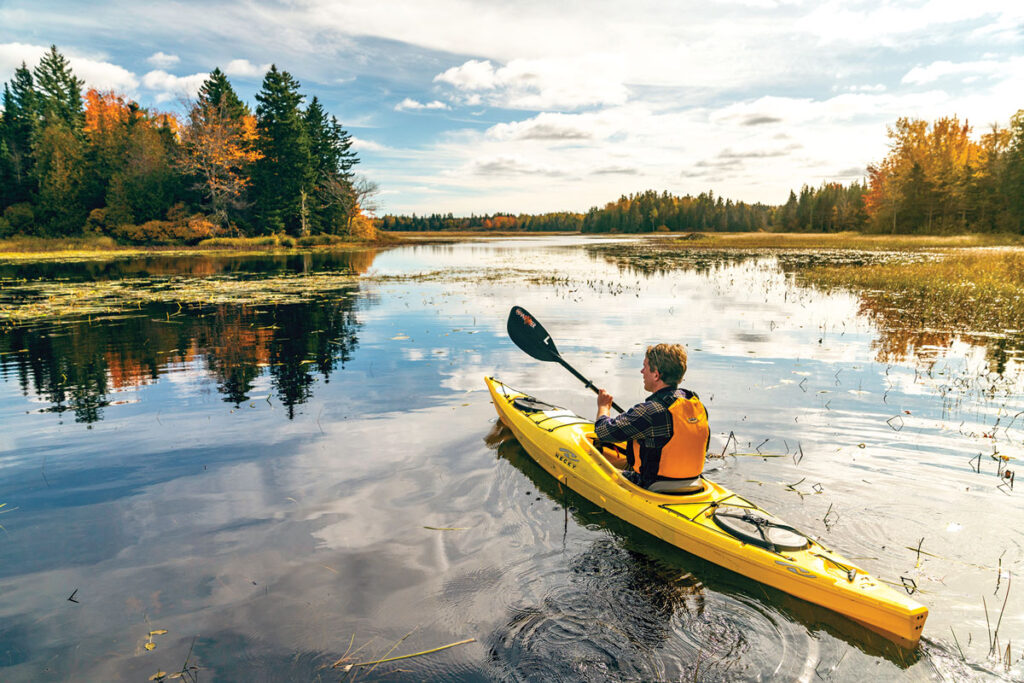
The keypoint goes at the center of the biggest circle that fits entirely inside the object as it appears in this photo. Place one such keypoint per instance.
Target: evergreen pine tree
(60, 91)
(1013, 176)
(331, 161)
(59, 170)
(283, 175)
(218, 93)
(19, 121)
(346, 157)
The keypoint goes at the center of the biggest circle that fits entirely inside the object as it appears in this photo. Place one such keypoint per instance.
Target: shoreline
(41, 248)
(56, 249)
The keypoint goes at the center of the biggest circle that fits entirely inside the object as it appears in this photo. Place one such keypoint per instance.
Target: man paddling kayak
(667, 434)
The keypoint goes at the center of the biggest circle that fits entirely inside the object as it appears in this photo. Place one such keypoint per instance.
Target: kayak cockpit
(609, 457)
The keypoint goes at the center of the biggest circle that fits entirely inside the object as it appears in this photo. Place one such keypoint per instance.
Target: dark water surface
(279, 481)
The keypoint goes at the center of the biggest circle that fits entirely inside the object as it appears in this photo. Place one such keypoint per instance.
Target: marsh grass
(249, 242)
(977, 290)
(45, 248)
(45, 244)
(841, 240)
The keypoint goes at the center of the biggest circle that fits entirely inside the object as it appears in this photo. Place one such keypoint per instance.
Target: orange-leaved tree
(217, 149)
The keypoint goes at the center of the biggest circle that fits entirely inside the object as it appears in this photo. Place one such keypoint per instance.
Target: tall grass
(248, 242)
(22, 244)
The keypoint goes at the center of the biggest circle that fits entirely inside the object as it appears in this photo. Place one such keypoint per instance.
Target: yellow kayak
(710, 522)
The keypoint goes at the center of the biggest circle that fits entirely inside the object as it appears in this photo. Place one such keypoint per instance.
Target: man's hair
(669, 360)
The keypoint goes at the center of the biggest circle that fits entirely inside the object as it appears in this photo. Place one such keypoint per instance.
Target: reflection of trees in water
(321, 338)
(356, 261)
(64, 367)
(78, 365)
(907, 331)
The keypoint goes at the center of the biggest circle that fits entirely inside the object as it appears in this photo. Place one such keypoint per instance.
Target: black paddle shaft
(529, 335)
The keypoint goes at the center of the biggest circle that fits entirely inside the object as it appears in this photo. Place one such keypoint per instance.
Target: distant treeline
(100, 164)
(652, 212)
(935, 179)
(649, 212)
(499, 221)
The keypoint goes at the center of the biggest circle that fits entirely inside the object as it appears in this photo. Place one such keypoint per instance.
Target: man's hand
(604, 403)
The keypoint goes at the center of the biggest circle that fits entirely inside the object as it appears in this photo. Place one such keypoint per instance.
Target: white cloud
(902, 24)
(246, 69)
(755, 150)
(410, 104)
(104, 75)
(877, 87)
(363, 145)
(168, 86)
(162, 60)
(97, 74)
(556, 126)
(13, 54)
(473, 75)
(511, 166)
(562, 83)
(942, 69)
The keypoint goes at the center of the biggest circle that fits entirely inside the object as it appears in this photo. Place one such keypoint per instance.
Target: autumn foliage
(101, 164)
(218, 150)
(937, 178)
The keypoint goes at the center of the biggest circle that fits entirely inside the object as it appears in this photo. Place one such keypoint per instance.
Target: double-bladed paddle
(529, 335)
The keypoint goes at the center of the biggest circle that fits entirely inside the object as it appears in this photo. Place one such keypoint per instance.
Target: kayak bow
(712, 522)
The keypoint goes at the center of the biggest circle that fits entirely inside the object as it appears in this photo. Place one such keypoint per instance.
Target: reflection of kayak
(712, 522)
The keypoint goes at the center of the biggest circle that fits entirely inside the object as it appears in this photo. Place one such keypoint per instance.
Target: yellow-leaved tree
(217, 148)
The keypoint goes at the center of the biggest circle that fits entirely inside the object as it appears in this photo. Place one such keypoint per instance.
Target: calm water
(278, 484)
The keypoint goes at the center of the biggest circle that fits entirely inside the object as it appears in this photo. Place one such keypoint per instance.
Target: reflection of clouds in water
(413, 355)
(253, 542)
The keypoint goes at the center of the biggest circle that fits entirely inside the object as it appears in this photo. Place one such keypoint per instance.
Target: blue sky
(528, 106)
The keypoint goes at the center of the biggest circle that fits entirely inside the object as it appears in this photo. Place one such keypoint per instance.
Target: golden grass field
(844, 240)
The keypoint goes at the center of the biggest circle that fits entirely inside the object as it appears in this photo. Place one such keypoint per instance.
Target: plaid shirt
(649, 424)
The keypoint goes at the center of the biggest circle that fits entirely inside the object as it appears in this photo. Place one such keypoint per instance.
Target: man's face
(651, 377)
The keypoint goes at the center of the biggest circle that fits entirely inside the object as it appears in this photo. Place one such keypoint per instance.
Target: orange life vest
(683, 456)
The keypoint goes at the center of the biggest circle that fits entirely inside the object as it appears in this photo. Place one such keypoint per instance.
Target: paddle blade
(529, 335)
